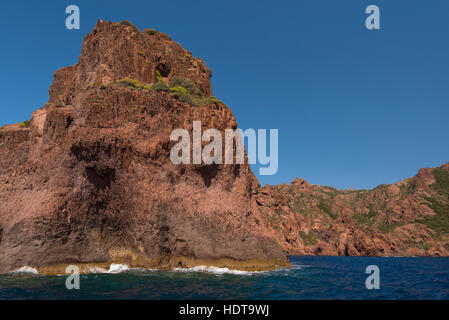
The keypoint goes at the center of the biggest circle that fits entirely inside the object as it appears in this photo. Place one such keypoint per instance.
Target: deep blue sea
(308, 278)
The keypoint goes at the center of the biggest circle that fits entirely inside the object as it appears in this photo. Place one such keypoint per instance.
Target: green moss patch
(365, 220)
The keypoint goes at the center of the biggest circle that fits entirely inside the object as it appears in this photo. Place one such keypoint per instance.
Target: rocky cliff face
(408, 218)
(89, 180)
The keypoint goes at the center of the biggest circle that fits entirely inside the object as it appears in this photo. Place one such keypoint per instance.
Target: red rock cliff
(408, 218)
(89, 181)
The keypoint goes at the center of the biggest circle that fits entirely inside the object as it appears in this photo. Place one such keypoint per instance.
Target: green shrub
(182, 89)
(367, 219)
(183, 95)
(179, 90)
(188, 84)
(160, 86)
(440, 221)
(202, 101)
(441, 184)
(186, 98)
(177, 81)
(153, 32)
(325, 207)
(25, 124)
(159, 76)
(411, 243)
(133, 84)
(411, 186)
(385, 227)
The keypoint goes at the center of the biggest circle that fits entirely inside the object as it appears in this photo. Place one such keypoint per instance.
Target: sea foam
(113, 268)
(27, 270)
(117, 268)
(215, 270)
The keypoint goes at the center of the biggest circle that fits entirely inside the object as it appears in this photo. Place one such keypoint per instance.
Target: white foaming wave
(113, 268)
(216, 270)
(26, 270)
(117, 268)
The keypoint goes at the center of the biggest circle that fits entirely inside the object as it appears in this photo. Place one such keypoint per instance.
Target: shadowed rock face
(90, 181)
(408, 218)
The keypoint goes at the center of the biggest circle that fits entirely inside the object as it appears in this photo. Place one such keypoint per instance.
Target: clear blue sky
(354, 108)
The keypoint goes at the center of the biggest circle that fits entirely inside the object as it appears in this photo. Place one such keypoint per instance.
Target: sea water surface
(308, 278)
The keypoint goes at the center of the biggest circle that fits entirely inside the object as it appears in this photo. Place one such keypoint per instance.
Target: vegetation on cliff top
(151, 32)
(185, 90)
(181, 89)
(25, 124)
(326, 201)
(135, 84)
(439, 203)
(441, 184)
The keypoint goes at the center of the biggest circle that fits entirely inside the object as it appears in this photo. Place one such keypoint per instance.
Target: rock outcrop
(408, 218)
(89, 181)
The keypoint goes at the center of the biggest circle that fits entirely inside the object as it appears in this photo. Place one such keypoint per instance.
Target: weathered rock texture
(408, 218)
(90, 181)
